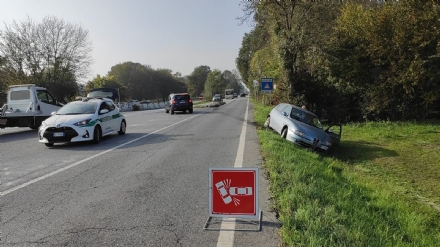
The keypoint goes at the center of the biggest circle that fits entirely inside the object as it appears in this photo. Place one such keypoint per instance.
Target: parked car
(87, 120)
(303, 128)
(234, 95)
(179, 102)
(217, 97)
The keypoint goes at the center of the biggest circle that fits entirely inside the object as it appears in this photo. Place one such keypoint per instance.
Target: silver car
(302, 127)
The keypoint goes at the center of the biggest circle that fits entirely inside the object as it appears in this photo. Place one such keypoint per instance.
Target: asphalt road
(148, 187)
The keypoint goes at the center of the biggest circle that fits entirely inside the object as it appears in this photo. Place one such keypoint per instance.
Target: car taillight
(174, 102)
(190, 101)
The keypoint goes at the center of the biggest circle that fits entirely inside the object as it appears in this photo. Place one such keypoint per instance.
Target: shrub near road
(380, 187)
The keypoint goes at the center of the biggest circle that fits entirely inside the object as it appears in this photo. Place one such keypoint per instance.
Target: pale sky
(173, 34)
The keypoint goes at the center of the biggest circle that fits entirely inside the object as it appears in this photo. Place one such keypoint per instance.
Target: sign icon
(224, 187)
(255, 83)
(233, 192)
(266, 85)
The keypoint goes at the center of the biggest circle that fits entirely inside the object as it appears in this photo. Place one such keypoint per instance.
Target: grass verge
(380, 187)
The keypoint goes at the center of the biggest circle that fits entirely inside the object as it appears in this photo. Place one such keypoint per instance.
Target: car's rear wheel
(50, 144)
(190, 110)
(97, 134)
(267, 123)
(123, 128)
(284, 133)
(172, 111)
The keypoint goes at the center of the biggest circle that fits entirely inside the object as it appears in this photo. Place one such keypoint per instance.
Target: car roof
(298, 108)
(304, 110)
(85, 100)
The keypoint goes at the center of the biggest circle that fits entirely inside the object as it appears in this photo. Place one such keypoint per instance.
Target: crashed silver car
(303, 128)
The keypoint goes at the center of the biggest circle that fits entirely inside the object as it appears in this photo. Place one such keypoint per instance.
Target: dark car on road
(179, 102)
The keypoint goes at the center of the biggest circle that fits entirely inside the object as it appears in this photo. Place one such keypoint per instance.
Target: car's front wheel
(284, 133)
(123, 128)
(97, 134)
(267, 123)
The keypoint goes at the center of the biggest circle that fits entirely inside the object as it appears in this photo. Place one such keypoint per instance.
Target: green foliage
(197, 80)
(390, 54)
(214, 83)
(143, 82)
(135, 107)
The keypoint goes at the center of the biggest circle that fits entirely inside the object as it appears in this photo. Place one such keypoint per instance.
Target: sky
(173, 34)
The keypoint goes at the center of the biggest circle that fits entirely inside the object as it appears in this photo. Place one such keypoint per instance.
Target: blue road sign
(266, 85)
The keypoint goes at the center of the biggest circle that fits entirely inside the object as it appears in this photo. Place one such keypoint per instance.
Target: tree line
(346, 60)
(57, 55)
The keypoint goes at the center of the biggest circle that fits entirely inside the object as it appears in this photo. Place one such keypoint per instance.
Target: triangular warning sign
(267, 86)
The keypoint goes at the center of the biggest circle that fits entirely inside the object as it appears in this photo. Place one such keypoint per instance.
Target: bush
(135, 107)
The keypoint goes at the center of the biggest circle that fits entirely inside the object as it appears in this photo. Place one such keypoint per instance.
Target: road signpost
(266, 85)
(233, 193)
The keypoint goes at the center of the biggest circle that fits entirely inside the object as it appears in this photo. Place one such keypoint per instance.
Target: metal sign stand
(243, 221)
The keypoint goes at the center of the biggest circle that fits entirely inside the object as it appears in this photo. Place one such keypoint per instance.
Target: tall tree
(53, 53)
(214, 83)
(197, 80)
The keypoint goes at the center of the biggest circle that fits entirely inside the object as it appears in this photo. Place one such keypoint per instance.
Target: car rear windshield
(181, 97)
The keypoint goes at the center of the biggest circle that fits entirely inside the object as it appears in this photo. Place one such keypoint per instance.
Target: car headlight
(299, 133)
(83, 122)
(327, 144)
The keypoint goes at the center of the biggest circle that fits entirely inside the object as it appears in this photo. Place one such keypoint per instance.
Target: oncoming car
(86, 120)
(302, 127)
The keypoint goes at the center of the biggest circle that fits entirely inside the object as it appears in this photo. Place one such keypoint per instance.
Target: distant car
(302, 127)
(87, 120)
(217, 97)
(179, 102)
(240, 191)
(243, 95)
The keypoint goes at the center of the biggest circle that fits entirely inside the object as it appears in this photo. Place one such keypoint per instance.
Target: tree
(197, 80)
(53, 53)
(136, 78)
(104, 81)
(390, 55)
(214, 83)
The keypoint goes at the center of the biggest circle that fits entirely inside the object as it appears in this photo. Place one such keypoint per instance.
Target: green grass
(380, 187)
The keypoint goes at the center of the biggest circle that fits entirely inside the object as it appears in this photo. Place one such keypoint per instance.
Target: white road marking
(86, 159)
(226, 238)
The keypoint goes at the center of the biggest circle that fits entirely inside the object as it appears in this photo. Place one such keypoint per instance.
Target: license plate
(183, 101)
(324, 147)
(58, 134)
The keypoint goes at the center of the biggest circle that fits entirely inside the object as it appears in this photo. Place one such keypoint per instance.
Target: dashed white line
(86, 159)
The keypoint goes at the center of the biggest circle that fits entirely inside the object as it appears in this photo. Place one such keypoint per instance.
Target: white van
(27, 106)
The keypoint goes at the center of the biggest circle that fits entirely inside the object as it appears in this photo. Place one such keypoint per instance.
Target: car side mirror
(53, 113)
(285, 113)
(103, 111)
